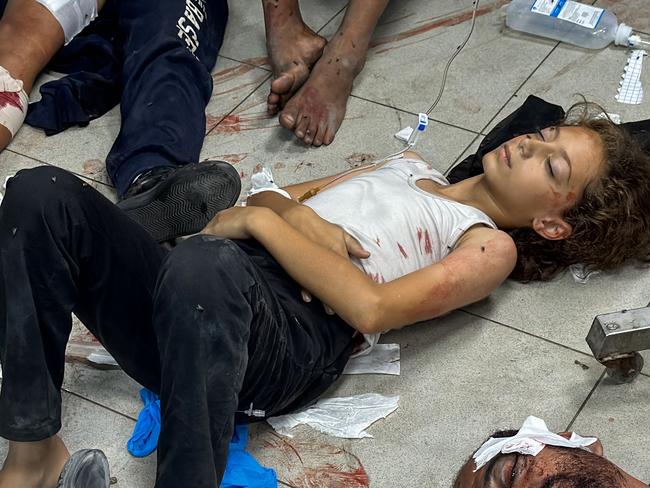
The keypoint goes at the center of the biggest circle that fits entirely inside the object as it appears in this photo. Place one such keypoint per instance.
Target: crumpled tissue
(381, 359)
(531, 439)
(346, 417)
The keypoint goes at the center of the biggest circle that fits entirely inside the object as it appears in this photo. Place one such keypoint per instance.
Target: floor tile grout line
(512, 97)
(535, 336)
(98, 404)
(413, 113)
(244, 62)
(237, 106)
(85, 177)
(332, 19)
(511, 327)
(457, 160)
(584, 403)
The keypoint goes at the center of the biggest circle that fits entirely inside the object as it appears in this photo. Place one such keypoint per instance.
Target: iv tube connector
(423, 123)
(639, 42)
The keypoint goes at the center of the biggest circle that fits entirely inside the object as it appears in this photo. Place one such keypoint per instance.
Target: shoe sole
(86, 469)
(186, 201)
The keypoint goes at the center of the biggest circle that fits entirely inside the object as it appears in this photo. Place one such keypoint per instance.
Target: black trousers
(169, 48)
(211, 326)
(154, 57)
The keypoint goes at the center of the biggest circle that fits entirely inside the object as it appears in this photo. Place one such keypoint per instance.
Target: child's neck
(475, 193)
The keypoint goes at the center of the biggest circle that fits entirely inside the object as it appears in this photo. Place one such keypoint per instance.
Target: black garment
(155, 58)
(212, 326)
(533, 115)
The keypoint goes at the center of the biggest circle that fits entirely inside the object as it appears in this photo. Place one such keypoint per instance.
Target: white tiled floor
(520, 352)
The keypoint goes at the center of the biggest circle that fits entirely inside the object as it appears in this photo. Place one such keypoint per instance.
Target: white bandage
(73, 15)
(531, 439)
(13, 102)
(262, 180)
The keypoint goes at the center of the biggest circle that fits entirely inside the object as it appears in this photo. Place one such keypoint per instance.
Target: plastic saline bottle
(572, 22)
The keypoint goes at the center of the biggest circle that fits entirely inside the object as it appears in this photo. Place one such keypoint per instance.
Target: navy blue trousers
(154, 57)
(212, 326)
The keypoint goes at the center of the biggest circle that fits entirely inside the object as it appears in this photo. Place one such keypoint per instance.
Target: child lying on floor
(218, 324)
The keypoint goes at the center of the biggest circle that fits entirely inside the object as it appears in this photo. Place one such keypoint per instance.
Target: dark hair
(611, 223)
(582, 469)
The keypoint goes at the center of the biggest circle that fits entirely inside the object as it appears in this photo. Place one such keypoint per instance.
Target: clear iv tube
(639, 41)
(409, 145)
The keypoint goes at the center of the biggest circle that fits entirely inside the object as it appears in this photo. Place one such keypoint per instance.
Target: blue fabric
(144, 440)
(242, 470)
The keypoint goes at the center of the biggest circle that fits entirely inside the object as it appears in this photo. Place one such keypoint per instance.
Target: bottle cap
(623, 33)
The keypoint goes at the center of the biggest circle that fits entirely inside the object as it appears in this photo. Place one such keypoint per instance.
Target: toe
(311, 131)
(329, 136)
(303, 125)
(320, 134)
(282, 84)
(272, 104)
(288, 118)
(273, 99)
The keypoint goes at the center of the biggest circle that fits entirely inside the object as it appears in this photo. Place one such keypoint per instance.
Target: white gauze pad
(13, 102)
(262, 180)
(73, 15)
(531, 439)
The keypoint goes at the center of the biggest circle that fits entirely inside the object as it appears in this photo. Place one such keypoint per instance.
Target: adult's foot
(34, 464)
(293, 48)
(178, 201)
(317, 110)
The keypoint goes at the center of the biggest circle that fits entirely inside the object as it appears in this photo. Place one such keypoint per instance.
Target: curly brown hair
(611, 223)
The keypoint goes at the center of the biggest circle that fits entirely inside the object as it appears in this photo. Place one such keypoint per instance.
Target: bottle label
(575, 12)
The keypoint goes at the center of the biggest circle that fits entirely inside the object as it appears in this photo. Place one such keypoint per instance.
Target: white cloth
(346, 417)
(402, 226)
(531, 439)
(72, 15)
(382, 359)
(262, 180)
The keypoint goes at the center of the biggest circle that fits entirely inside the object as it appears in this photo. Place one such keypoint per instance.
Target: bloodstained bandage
(13, 102)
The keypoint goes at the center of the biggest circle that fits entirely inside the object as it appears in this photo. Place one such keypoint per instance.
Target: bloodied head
(553, 467)
(581, 192)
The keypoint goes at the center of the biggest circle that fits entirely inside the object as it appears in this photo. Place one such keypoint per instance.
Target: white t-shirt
(403, 227)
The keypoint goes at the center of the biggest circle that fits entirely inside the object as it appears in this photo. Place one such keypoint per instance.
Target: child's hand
(232, 223)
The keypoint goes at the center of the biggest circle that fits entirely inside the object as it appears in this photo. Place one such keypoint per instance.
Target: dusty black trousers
(211, 326)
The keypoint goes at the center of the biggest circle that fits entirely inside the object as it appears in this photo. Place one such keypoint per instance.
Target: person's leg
(225, 340)
(65, 248)
(317, 109)
(29, 37)
(169, 48)
(293, 48)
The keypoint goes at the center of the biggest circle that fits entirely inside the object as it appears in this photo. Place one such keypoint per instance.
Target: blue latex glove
(242, 469)
(144, 440)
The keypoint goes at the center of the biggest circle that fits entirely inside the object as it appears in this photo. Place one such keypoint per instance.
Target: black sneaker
(172, 202)
(85, 469)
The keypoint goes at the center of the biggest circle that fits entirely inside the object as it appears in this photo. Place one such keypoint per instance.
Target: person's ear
(596, 447)
(552, 228)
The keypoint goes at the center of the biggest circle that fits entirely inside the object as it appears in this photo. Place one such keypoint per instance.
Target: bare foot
(316, 111)
(293, 48)
(34, 464)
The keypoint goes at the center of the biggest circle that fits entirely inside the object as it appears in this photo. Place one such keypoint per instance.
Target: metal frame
(616, 338)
